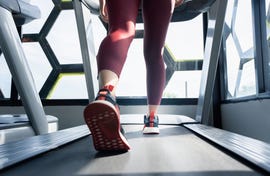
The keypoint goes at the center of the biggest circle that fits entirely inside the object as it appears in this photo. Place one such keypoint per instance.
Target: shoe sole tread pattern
(102, 119)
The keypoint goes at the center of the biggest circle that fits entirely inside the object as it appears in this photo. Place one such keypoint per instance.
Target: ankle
(151, 114)
(152, 109)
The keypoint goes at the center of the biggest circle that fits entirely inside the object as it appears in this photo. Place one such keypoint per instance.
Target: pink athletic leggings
(122, 19)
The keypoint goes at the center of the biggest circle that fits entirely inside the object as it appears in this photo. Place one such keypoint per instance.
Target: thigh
(157, 16)
(122, 12)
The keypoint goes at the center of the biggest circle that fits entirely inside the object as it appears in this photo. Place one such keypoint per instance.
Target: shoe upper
(105, 94)
(151, 120)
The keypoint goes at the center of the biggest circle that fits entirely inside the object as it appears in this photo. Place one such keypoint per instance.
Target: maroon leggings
(122, 19)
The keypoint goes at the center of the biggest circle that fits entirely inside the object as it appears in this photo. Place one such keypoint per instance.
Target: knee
(153, 56)
(125, 31)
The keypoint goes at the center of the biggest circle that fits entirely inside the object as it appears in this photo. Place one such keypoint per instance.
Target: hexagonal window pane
(64, 40)
(69, 86)
(183, 84)
(186, 45)
(240, 76)
(228, 17)
(36, 25)
(38, 63)
(243, 25)
(133, 76)
(233, 61)
(247, 84)
(5, 77)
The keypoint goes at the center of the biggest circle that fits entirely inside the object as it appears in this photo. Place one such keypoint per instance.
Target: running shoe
(102, 116)
(151, 124)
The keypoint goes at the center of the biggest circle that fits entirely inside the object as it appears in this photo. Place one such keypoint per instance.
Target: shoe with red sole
(102, 116)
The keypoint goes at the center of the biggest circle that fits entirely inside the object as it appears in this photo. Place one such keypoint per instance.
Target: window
(184, 55)
(5, 78)
(52, 49)
(239, 50)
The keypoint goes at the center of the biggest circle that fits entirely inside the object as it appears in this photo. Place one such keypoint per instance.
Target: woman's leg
(102, 115)
(113, 49)
(157, 16)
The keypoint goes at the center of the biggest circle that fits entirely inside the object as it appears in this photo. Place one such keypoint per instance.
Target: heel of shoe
(103, 121)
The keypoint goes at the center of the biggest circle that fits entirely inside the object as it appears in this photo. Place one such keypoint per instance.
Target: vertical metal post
(210, 62)
(87, 56)
(12, 49)
(261, 50)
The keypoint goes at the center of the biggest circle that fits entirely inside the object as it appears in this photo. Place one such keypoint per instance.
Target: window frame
(261, 58)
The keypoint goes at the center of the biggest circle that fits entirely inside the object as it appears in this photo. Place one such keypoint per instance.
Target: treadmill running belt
(175, 151)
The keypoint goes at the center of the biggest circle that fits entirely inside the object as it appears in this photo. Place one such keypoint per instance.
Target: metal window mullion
(258, 22)
(49, 22)
(223, 72)
(48, 51)
(49, 84)
(265, 49)
(224, 67)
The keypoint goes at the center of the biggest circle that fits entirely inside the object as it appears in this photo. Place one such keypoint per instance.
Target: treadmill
(179, 149)
(14, 14)
(185, 146)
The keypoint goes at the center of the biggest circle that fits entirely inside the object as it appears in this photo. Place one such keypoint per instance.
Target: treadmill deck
(175, 151)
